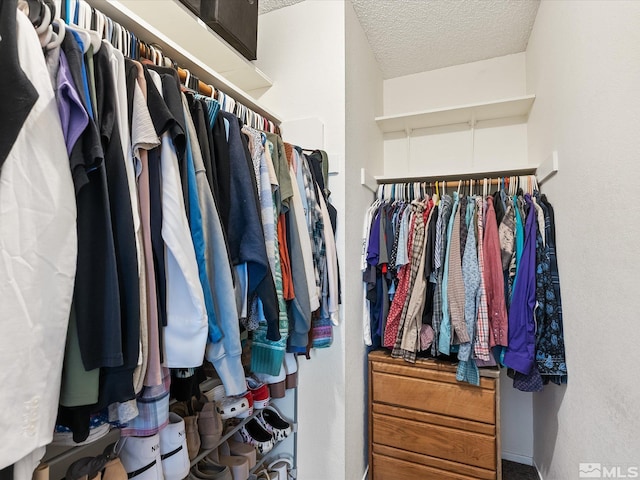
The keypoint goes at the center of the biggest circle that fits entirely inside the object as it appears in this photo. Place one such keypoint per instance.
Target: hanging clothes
(38, 247)
(451, 259)
(179, 220)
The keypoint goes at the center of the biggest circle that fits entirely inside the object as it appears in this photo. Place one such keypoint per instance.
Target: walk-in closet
(319, 239)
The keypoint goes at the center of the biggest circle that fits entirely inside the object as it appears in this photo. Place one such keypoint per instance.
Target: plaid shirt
(409, 343)
(392, 326)
(153, 408)
(417, 248)
(481, 346)
(456, 291)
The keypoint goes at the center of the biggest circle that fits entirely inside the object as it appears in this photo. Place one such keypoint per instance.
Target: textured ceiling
(265, 6)
(411, 36)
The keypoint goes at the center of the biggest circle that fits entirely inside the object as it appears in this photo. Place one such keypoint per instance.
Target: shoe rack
(59, 457)
(287, 448)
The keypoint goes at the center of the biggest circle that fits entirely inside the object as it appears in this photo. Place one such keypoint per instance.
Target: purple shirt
(373, 250)
(72, 113)
(521, 351)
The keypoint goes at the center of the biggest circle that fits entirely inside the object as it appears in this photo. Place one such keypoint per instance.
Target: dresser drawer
(430, 395)
(436, 441)
(390, 468)
(424, 424)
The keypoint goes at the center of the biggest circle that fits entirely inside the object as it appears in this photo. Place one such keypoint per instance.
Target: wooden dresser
(424, 424)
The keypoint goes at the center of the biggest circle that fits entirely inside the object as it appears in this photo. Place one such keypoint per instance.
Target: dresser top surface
(428, 363)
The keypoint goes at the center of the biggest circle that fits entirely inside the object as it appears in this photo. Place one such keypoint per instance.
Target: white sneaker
(173, 449)
(140, 457)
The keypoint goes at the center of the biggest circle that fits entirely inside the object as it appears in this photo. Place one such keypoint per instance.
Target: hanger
(45, 30)
(44, 19)
(58, 36)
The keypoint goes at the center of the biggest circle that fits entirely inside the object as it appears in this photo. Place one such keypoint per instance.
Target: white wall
(363, 149)
(448, 150)
(301, 48)
(495, 145)
(476, 82)
(584, 67)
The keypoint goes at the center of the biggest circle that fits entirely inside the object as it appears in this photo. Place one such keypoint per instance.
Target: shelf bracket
(548, 168)
(368, 181)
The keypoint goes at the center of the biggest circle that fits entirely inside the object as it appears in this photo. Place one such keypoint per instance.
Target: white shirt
(185, 335)
(38, 250)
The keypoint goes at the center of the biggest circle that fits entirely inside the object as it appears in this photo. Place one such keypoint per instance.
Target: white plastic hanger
(45, 30)
(380, 192)
(88, 37)
(58, 36)
(46, 20)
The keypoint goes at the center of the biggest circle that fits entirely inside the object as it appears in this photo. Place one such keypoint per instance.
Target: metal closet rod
(418, 187)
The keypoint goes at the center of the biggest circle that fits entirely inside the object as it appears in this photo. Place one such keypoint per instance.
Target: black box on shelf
(234, 20)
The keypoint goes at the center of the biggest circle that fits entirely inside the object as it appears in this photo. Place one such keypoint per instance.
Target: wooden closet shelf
(470, 113)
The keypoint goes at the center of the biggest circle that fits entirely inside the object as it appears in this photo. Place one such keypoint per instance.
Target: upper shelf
(192, 44)
(505, 108)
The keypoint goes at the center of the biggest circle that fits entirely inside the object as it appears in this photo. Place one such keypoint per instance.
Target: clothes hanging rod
(454, 183)
(119, 13)
(455, 177)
